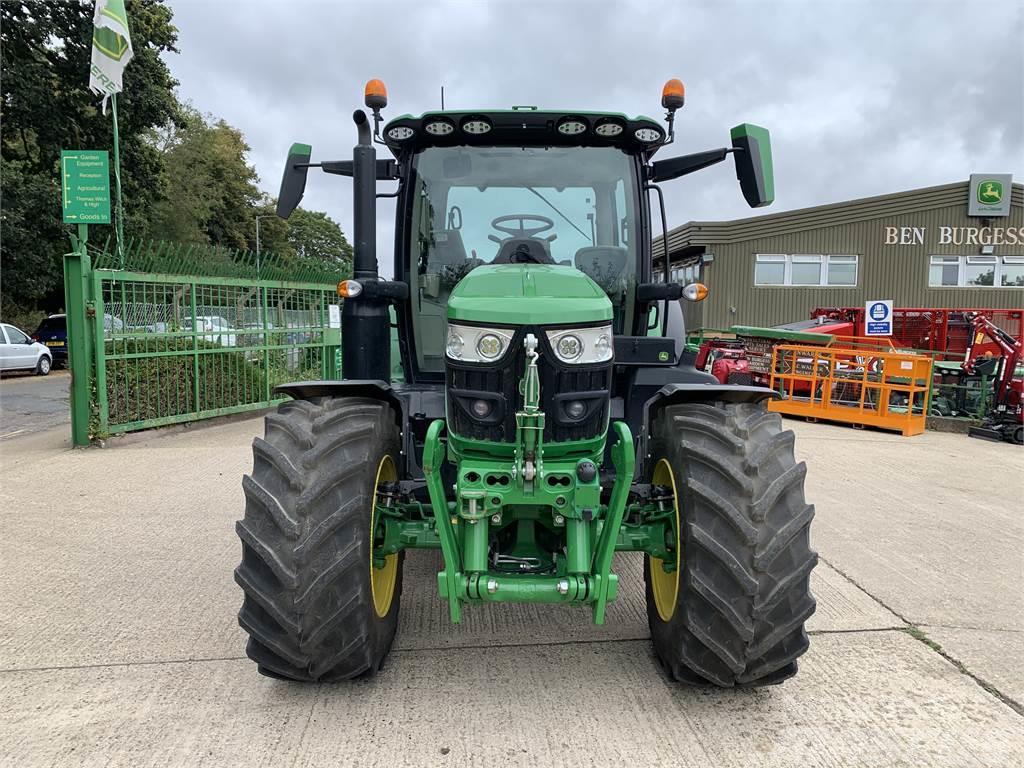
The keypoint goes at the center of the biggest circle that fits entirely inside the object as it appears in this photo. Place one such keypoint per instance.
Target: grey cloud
(862, 98)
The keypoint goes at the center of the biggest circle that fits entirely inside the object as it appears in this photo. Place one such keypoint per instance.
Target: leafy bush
(164, 383)
(20, 317)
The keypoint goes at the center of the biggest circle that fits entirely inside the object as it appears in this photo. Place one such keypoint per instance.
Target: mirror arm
(387, 170)
(674, 167)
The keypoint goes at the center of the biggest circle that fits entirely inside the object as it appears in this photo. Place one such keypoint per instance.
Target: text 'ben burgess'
(956, 235)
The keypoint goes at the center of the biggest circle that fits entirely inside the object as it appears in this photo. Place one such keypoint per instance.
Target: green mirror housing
(293, 182)
(753, 157)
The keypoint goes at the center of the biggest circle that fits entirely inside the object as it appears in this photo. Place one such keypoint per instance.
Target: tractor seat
(603, 264)
(538, 251)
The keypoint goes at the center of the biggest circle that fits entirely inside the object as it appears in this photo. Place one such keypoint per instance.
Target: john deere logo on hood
(990, 192)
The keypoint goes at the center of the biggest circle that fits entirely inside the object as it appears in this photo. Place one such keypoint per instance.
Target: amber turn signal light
(673, 95)
(375, 96)
(349, 289)
(695, 292)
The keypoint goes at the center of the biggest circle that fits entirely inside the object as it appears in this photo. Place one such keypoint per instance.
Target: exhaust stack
(365, 324)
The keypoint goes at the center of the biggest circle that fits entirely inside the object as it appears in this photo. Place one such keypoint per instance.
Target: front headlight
(580, 346)
(477, 345)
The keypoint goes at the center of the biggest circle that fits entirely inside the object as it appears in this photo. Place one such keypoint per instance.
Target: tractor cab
(492, 205)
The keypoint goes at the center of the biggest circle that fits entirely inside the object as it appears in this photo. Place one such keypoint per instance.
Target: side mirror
(293, 182)
(753, 157)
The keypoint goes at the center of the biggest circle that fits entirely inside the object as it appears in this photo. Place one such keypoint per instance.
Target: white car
(215, 323)
(19, 353)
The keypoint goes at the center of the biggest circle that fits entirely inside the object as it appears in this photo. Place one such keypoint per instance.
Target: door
(5, 352)
(18, 350)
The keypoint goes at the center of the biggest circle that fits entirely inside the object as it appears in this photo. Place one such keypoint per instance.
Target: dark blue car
(53, 332)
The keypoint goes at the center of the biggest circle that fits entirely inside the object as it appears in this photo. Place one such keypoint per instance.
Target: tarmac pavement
(30, 403)
(119, 643)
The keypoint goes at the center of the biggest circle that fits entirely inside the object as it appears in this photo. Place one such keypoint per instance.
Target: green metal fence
(172, 333)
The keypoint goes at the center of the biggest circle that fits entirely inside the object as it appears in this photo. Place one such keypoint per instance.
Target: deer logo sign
(990, 192)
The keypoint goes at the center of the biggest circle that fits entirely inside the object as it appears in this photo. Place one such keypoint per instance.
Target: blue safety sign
(878, 318)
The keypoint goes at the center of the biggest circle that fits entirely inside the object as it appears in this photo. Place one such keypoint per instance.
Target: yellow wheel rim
(665, 585)
(382, 580)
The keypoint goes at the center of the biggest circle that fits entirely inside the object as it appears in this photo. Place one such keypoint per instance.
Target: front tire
(43, 366)
(315, 607)
(733, 613)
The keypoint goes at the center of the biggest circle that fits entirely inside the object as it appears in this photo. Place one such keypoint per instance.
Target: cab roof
(522, 126)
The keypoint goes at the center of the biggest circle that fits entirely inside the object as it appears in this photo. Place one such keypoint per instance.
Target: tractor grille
(557, 385)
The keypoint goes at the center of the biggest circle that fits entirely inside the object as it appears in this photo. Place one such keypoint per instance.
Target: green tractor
(546, 417)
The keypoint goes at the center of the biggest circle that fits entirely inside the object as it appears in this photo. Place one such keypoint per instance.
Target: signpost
(85, 200)
(85, 186)
(878, 318)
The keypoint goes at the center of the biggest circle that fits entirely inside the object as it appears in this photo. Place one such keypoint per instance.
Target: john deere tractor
(546, 416)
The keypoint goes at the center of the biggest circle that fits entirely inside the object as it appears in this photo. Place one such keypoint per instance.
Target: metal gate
(159, 347)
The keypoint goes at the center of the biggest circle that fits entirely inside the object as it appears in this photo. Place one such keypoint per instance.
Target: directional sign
(878, 318)
(85, 186)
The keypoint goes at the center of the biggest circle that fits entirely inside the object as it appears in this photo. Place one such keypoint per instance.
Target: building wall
(897, 272)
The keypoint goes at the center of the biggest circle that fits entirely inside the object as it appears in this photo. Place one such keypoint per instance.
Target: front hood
(528, 294)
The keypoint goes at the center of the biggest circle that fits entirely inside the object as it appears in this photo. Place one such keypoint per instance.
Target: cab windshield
(573, 206)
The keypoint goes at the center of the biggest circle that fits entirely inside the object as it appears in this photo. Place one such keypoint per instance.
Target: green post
(98, 347)
(119, 211)
(195, 353)
(76, 276)
(266, 341)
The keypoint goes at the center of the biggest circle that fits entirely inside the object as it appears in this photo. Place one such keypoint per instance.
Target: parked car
(18, 352)
(216, 326)
(53, 333)
(111, 323)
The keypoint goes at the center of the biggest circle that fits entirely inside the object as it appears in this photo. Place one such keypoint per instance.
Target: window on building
(770, 269)
(976, 271)
(805, 269)
(944, 270)
(842, 270)
(1012, 272)
(980, 271)
(679, 274)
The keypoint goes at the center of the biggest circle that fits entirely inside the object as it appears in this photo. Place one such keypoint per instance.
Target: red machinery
(1005, 421)
(724, 359)
(947, 331)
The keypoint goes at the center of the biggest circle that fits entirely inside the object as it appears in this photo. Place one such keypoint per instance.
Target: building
(920, 248)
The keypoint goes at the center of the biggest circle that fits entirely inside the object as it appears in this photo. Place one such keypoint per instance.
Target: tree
(209, 193)
(317, 241)
(305, 239)
(45, 51)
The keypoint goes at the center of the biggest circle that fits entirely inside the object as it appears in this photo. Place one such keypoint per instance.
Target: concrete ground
(30, 403)
(119, 645)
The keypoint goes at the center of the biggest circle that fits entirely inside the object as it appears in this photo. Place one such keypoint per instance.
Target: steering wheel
(522, 230)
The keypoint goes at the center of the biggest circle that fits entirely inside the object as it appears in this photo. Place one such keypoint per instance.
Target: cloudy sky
(862, 98)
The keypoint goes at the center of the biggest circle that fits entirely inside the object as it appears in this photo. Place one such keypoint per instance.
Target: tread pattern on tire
(307, 606)
(744, 591)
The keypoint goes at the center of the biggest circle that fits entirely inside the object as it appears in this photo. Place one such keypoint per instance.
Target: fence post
(265, 309)
(76, 280)
(102, 405)
(195, 353)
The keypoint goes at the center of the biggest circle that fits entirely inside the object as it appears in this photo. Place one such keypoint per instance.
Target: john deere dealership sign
(990, 194)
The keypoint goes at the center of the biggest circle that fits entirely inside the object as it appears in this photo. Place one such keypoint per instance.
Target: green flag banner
(111, 48)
